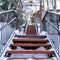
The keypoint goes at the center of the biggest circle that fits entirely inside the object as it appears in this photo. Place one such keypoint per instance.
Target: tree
(5, 5)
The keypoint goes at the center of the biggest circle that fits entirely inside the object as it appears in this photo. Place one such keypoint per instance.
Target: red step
(31, 59)
(30, 52)
(30, 45)
(26, 40)
(27, 36)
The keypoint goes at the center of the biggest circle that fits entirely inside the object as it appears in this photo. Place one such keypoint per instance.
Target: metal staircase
(27, 46)
(30, 44)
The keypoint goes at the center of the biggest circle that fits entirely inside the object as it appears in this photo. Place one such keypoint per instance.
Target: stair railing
(24, 27)
(51, 26)
(8, 24)
(37, 27)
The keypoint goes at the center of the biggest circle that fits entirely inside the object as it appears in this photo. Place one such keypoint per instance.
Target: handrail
(54, 50)
(2, 29)
(2, 12)
(50, 22)
(52, 25)
(55, 29)
(7, 24)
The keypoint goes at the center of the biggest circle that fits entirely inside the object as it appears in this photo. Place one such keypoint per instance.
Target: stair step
(30, 40)
(30, 45)
(31, 52)
(31, 36)
(31, 59)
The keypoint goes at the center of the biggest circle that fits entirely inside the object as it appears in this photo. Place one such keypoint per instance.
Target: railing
(37, 27)
(8, 24)
(51, 25)
(24, 27)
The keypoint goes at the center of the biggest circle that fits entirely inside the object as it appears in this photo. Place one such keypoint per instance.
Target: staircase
(30, 44)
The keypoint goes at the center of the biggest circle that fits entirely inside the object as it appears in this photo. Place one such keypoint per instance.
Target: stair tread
(31, 59)
(30, 40)
(31, 35)
(31, 52)
(31, 44)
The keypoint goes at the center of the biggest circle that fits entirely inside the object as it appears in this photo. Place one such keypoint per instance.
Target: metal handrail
(56, 30)
(50, 22)
(54, 50)
(7, 24)
(2, 12)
